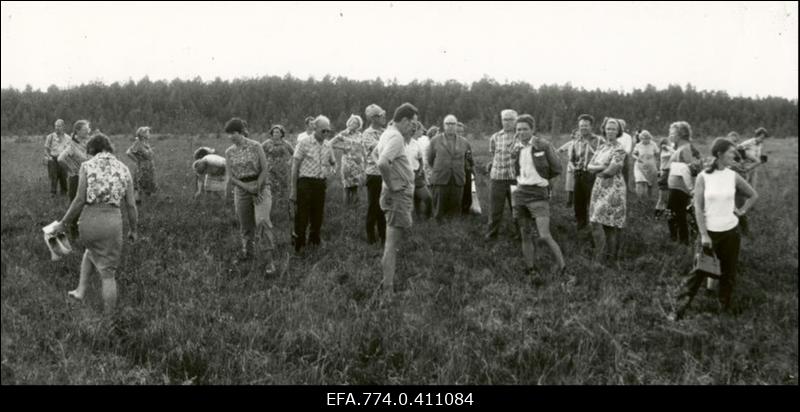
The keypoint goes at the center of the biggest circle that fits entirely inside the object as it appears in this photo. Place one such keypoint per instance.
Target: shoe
(270, 270)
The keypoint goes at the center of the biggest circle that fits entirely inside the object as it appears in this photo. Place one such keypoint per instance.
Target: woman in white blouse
(718, 219)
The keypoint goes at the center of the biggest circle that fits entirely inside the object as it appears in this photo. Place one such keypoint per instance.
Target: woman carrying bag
(717, 222)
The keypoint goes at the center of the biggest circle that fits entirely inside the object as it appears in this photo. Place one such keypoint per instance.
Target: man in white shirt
(397, 194)
(753, 155)
(309, 130)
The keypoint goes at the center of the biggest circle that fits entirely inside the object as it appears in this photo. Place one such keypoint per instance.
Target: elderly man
(369, 139)
(309, 121)
(397, 196)
(501, 173)
(447, 157)
(308, 181)
(579, 155)
(54, 144)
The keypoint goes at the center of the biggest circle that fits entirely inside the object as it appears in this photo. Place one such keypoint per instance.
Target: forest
(198, 106)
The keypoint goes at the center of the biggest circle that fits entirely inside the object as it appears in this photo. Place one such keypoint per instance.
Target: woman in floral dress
(608, 201)
(352, 162)
(279, 159)
(144, 180)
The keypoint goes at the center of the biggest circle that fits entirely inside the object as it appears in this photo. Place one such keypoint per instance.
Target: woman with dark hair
(209, 169)
(607, 206)
(279, 158)
(104, 184)
(246, 169)
(140, 152)
(71, 159)
(717, 220)
(681, 180)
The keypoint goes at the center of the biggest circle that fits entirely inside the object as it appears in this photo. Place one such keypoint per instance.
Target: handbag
(706, 261)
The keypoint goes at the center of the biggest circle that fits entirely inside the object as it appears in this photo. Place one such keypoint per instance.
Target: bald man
(54, 144)
(312, 157)
(446, 157)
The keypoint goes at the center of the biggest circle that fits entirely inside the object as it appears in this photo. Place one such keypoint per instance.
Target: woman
(141, 153)
(209, 170)
(645, 170)
(415, 152)
(535, 164)
(607, 205)
(681, 180)
(666, 149)
(718, 218)
(279, 158)
(352, 160)
(569, 177)
(104, 183)
(246, 172)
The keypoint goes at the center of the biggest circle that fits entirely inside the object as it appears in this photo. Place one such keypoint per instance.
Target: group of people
(406, 172)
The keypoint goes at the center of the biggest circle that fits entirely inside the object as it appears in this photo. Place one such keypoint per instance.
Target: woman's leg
(641, 189)
(726, 247)
(86, 270)
(543, 226)
(599, 239)
(109, 295)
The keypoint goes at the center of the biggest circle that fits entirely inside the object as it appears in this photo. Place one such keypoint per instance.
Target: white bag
(57, 242)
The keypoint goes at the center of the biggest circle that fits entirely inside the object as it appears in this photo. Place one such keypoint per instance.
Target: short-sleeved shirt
(243, 160)
(582, 151)
(315, 158)
(392, 146)
(107, 179)
(610, 153)
(752, 149)
(369, 139)
(666, 156)
(56, 144)
(414, 149)
(73, 156)
(500, 146)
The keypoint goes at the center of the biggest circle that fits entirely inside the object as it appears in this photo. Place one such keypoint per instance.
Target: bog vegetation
(465, 312)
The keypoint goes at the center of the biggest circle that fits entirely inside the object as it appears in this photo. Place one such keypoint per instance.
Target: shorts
(398, 207)
(532, 210)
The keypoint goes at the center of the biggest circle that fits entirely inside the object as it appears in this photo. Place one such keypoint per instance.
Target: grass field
(465, 313)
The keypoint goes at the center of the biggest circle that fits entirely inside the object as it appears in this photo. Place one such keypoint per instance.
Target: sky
(743, 48)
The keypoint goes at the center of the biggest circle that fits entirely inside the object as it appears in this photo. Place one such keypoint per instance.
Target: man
(753, 156)
(309, 121)
(369, 139)
(422, 196)
(469, 164)
(447, 159)
(627, 143)
(398, 186)
(501, 173)
(308, 183)
(579, 155)
(54, 144)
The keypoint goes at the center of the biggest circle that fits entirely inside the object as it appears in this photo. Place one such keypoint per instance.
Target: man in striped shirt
(501, 173)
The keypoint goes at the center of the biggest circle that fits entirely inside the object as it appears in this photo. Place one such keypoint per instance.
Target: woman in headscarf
(352, 161)
(104, 185)
(645, 170)
(607, 207)
(144, 180)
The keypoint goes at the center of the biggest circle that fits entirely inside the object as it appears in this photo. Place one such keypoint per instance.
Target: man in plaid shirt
(501, 172)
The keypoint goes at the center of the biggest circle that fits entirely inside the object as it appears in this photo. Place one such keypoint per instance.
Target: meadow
(465, 313)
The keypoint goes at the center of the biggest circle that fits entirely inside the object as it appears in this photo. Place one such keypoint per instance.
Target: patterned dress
(279, 161)
(145, 176)
(369, 139)
(353, 174)
(608, 201)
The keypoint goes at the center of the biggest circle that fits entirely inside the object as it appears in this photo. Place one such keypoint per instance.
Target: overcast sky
(742, 48)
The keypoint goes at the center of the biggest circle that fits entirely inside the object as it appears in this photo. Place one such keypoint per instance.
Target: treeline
(196, 106)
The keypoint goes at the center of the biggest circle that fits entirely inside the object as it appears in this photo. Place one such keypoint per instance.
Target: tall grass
(465, 312)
